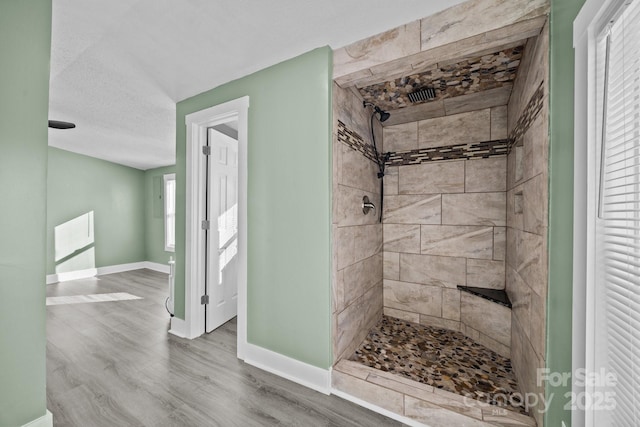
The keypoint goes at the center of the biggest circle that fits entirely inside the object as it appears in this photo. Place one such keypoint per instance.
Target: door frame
(197, 124)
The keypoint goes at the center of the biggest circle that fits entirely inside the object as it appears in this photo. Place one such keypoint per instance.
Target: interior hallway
(114, 364)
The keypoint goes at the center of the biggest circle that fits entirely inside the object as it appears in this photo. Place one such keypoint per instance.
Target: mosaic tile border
(484, 149)
(528, 116)
(355, 141)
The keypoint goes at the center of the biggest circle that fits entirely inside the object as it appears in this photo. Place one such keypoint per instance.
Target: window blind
(618, 223)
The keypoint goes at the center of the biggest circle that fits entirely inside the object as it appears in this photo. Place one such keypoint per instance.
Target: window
(170, 212)
(617, 220)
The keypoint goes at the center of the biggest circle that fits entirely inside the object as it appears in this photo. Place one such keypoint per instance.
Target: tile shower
(465, 205)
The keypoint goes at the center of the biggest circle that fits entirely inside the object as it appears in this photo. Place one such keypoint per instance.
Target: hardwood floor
(114, 364)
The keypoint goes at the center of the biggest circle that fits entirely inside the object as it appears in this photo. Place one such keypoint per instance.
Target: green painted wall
(289, 203)
(25, 44)
(154, 214)
(559, 300)
(115, 194)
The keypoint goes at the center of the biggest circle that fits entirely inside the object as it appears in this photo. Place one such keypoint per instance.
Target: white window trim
(165, 179)
(592, 18)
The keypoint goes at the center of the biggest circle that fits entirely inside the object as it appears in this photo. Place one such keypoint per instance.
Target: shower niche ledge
(499, 296)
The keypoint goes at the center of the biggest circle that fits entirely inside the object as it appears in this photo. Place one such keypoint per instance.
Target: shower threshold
(436, 376)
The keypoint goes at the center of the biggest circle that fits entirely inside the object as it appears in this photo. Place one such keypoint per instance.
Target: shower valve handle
(367, 205)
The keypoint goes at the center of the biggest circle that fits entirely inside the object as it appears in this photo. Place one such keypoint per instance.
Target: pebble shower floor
(441, 358)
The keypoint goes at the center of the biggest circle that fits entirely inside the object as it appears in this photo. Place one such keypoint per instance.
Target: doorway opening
(216, 219)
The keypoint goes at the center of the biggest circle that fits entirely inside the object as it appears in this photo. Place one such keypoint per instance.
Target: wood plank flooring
(114, 364)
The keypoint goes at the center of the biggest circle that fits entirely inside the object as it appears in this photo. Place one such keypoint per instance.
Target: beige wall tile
(391, 265)
(491, 344)
(538, 324)
(396, 43)
(413, 297)
(536, 146)
(482, 273)
(531, 261)
(475, 17)
(486, 175)
(367, 241)
(517, 101)
(499, 123)
(433, 270)
(354, 369)
(511, 254)
(478, 100)
(499, 242)
(412, 209)
(372, 302)
(347, 108)
(414, 113)
(402, 137)
(343, 241)
(515, 215)
(432, 178)
(401, 314)
(451, 304)
(350, 323)
(535, 198)
(436, 322)
(487, 317)
(474, 209)
(517, 354)
(535, 59)
(379, 396)
(474, 126)
(358, 171)
(349, 206)
(401, 384)
(459, 241)
(520, 296)
(390, 181)
(360, 277)
(338, 291)
(336, 152)
(439, 322)
(401, 238)
(515, 166)
(469, 331)
(437, 416)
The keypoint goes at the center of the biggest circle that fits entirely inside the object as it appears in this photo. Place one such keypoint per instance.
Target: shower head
(382, 115)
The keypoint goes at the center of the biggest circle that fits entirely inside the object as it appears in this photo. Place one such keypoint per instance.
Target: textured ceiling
(119, 67)
(471, 75)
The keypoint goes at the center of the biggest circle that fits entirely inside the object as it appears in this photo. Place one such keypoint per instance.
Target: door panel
(222, 242)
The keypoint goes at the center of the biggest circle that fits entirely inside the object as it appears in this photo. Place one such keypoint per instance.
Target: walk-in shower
(439, 297)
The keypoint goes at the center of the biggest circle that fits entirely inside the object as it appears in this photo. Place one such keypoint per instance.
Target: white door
(222, 237)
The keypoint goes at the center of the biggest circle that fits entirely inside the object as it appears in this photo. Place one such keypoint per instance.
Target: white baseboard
(110, 269)
(120, 268)
(44, 421)
(71, 275)
(299, 372)
(179, 328)
(156, 266)
(404, 420)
